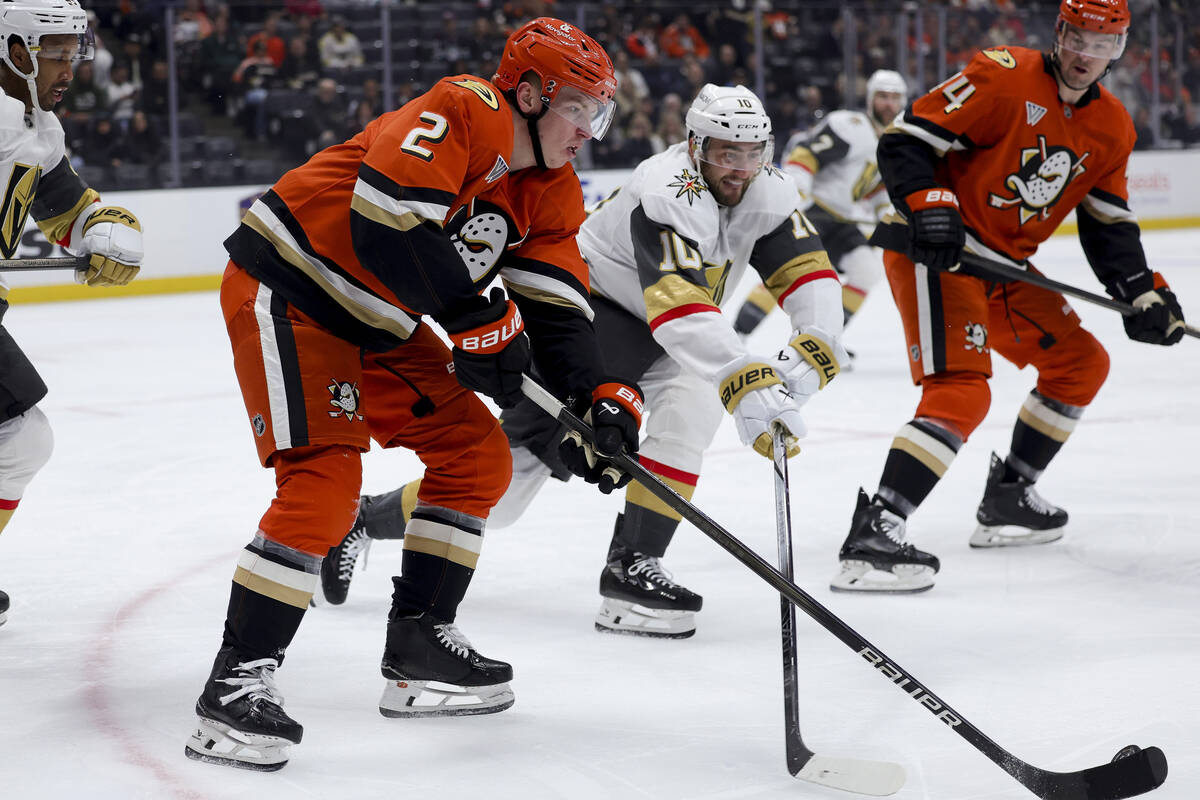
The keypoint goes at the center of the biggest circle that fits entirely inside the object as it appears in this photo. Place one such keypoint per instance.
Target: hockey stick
(25, 264)
(852, 775)
(1132, 771)
(1008, 272)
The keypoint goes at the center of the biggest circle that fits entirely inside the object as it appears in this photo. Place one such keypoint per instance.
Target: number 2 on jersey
(433, 134)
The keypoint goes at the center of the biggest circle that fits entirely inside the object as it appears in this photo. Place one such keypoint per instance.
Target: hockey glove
(935, 229)
(757, 398)
(809, 362)
(112, 236)
(1159, 318)
(491, 350)
(615, 417)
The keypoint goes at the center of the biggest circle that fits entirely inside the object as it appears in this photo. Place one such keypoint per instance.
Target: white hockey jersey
(663, 249)
(36, 177)
(833, 164)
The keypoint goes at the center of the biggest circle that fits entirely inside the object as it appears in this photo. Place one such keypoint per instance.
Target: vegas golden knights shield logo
(18, 198)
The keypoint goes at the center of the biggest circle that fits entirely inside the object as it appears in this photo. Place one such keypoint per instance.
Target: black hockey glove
(491, 350)
(615, 417)
(935, 229)
(1159, 319)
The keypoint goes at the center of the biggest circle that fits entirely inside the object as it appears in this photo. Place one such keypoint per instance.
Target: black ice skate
(241, 718)
(337, 570)
(3, 608)
(1014, 514)
(875, 557)
(433, 671)
(640, 598)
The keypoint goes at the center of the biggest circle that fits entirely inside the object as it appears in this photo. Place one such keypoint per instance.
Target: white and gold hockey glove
(809, 362)
(112, 237)
(757, 397)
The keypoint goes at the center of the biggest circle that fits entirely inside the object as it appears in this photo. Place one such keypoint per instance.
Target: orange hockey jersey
(415, 215)
(1020, 160)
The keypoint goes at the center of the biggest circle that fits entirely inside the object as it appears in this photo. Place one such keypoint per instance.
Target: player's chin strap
(531, 119)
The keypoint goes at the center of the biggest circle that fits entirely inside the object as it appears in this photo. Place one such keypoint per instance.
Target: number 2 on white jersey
(433, 134)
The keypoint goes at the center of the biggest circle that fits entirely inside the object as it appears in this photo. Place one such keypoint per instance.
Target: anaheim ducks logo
(1045, 172)
(344, 399)
(480, 232)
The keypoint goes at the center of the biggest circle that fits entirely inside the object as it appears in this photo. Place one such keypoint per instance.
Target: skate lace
(356, 543)
(257, 679)
(651, 568)
(893, 528)
(1037, 503)
(452, 638)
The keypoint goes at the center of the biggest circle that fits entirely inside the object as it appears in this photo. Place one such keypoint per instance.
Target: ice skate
(337, 570)
(433, 671)
(241, 719)
(640, 598)
(1014, 514)
(875, 557)
(3, 608)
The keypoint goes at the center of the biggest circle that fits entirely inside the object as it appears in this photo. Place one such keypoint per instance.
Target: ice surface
(119, 559)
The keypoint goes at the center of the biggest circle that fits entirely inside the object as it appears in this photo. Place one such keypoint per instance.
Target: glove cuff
(819, 355)
(936, 197)
(744, 380)
(626, 396)
(491, 337)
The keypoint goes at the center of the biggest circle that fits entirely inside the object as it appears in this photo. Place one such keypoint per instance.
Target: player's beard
(723, 195)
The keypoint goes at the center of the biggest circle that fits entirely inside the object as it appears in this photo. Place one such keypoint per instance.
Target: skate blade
(406, 698)
(861, 576)
(621, 616)
(3, 617)
(1015, 536)
(215, 742)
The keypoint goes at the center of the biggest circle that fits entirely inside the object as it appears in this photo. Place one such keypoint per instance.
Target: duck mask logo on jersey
(345, 399)
(480, 232)
(1041, 179)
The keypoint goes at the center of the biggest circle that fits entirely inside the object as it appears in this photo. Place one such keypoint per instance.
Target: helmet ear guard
(30, 20)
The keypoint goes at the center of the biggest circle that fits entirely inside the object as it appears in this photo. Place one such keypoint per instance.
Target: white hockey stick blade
(876, 778)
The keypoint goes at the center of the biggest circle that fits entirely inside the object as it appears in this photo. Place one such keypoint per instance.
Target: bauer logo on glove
(112, 237)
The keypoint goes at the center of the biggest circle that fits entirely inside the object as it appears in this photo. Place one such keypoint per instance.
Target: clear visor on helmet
(67, 47)
(1106, 46)
(749, 156)
(583, 111)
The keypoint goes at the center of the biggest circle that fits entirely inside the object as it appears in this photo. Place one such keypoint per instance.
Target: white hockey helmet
(32, 19)
(885, 80)
(732, 114)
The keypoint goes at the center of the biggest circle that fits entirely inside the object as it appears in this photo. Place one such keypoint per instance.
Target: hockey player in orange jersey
(333, 276)
(990, 161)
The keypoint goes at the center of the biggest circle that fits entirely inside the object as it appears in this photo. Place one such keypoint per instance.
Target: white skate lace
(651, 567)
(357, 542)
(257, 680)
(892, 527)
(1037, 503)
(453, 639)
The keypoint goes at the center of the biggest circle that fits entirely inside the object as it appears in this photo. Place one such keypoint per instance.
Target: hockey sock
(920, 455)
(1043, 426)
(271, 590)
(441, 549)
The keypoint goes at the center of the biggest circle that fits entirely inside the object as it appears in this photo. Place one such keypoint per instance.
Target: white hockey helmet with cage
(885, 80)
(30, 20)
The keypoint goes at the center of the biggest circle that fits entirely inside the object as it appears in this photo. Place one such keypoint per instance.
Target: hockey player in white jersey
(41, 41)
(833, 164)
(663, 250)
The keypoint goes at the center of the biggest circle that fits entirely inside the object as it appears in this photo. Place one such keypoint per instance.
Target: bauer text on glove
(615, 416)
(809, 362)
(935, 229)
(491, 351)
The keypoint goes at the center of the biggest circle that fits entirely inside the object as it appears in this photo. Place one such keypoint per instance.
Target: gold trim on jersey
(56, 228)
(443, 541)
(867, 181)
(672, 291)
(364, 306)
(783, 278)
(801, 156)
(404, 222)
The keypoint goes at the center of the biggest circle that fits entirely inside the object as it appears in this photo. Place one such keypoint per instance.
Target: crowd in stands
(261, 88)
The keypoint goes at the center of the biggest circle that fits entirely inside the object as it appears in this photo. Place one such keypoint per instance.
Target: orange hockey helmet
(1098, 16)
(561, 55)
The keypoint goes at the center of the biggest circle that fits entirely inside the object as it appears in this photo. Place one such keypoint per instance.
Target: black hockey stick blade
(997, 269)
(1126, 777)
(27, 264)
(877, 778)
